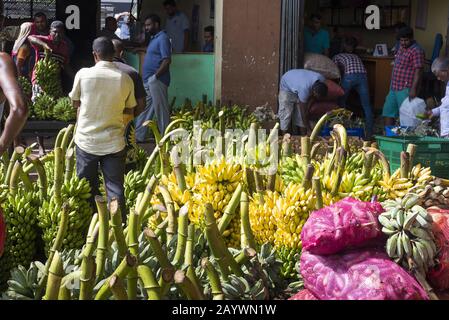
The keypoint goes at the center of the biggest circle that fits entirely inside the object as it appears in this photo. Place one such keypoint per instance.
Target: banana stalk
(368, 165)
(383, 160)
(342, 154)
(42, 176)
(59, 169)
(127, 264)
(150, 283)
(133, 246)
(307, 183)
(218, 246)
(405, 165)
(247, 237)
(230, 209)
(187, 286)
(179, 173)
(147, 169)
(324, 119)
(67, 137)
(171, 214)
(214, 279)
(69, 164)
(103, 233)
(117, 288)
(250, 181)
(306, 149)
(162, 154)
(16, 155)
(411, 150)
(144, 203)
(188, 260)
(87, 279)
(56, 272)
(286, 146)
(183, 224)
(5, 160)
(174, 124)
(245, 256)
(343, 135)
(64, 292)
(14, 181)
(59, 138)
(117, 227)
(316, 181)
(259, 183)
(313, 153)
(92, 236)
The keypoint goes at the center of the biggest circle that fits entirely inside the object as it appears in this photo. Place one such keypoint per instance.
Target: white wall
(186, 6)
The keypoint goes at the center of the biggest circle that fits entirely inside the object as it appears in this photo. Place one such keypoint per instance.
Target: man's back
(300, 82)
(139, 89)
(104, 92)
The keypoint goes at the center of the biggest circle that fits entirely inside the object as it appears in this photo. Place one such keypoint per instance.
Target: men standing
(110, 26)
(101, 95)
(41, 24)
(316, 39)
(177, 27)
(209, 39)
(156, 77)
(10, 92)
(299, 89)
(407, 73)
(355, 78)
(127, 27)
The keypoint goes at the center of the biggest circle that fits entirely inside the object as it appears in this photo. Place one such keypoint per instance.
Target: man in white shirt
(102, 94)
(177, 27)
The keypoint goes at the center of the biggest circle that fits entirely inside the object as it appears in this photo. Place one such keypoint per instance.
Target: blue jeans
(359, 83)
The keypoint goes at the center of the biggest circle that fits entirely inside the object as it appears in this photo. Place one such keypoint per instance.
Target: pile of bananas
(235, 117)
(25, 85)
(135, 183)
(76, 193)
(63, 110)
(20, 212)
(435, 195)
(48, 76)
(43, 107)
(409, 228)
(397, 186)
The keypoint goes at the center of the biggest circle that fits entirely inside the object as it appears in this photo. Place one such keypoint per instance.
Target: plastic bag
(439, 276)
(346, 224)
(304, 295)
(409, 110)
(321, 64)
(2, 232)
(358, 275)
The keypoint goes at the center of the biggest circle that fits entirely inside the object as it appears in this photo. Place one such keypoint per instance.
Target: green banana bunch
(48, 76)
(355, 162)
(409, 228)
(23, 283)
(25, 85)
(64, 110)
(134, 184)
(43, 107)
(20, 212)
(292, 170)
(76, 193)
(289, 258)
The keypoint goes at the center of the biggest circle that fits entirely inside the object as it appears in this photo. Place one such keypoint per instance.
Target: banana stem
(117, 227)
(316, 181)
(179, 174)
(147, 169)
(59, 169)
(144, 203)
(383, 160)
(250, 181)
(87, 279)
(230, 209)
(69, 164)
(405, 165)
(103, 233)
(117, 288)
(64, 292)
(5, 161)
(368, 165)
(286, 150)
(16, 155)
(245, 256)
(183, 224)
(218, 246)
(411, 150)
(307, 183)
(343, 134)
(313, 153)
(91, 241)
(189, 289)
(56, 272)
(171, 214)
(150, 283)
(127, 264)
(306, 149)
(59, 138)
(67, 137)
(14, 181)
(133, 246)
(42, 176)
(247, 237)
(188, 257)
(319, 126)
(214, 279)
(342, 154)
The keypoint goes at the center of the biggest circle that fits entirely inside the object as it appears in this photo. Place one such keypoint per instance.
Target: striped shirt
(350, 63)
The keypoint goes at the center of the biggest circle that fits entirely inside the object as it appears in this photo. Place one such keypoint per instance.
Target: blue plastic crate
(389, 130)
(352, 132)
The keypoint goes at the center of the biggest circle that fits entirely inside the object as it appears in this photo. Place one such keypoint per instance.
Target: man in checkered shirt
(354, 78)
(407, 73)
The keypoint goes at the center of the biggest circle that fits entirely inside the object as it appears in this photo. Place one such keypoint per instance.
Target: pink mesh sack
(358, 275)
(347, 224)
(304, 295)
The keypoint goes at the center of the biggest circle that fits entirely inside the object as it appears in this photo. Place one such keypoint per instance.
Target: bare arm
(415, 85)
(164, 67)
(18, 109)
(37, 42)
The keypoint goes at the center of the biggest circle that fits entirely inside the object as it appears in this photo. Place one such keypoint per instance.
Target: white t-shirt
(175, 28)
(104, 92)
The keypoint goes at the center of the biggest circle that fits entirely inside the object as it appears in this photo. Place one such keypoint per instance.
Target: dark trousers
(113, 169)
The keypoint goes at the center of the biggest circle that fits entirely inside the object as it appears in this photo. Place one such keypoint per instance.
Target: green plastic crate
(431, 152)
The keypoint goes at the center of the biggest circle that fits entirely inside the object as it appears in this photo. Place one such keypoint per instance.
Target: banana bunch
(23, 282)
(292, 169)
(76, 193)
(43, 107)
(134, 184)
(263, 222)
(435, 196)
(409, 228)
(397, 187)
(291, 213)
(48, 76)
(215, 183)
(355, 162)
(25, 85)
(20, 212)
(421, 177)
(64, 110)
(357, 186)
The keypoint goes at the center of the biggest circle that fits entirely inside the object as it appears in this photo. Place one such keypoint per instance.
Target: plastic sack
(320, 108)
(2, 232)
(321, 64)
(304, 295)
(409, 110)
(347, 224)
(358, 275)
(439, 276)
